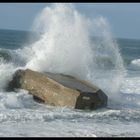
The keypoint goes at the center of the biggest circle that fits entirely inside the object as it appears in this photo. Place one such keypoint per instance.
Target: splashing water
(63, 43)
(65, 46)
(6, 71)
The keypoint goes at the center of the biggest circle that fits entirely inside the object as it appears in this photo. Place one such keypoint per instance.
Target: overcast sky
(124, 18)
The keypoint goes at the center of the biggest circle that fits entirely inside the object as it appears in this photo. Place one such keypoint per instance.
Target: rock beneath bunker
(59, 89)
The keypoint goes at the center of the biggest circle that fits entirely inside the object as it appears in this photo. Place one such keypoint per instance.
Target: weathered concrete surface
(59, 89)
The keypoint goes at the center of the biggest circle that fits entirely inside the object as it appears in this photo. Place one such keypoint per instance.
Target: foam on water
(135, 64)
(6, 72)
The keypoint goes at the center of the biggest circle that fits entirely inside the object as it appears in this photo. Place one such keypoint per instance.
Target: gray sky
(124, 18)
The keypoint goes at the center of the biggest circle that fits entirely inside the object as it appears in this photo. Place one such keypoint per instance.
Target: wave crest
(135, 64)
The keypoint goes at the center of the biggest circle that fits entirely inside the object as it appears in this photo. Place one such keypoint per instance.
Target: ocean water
(64, 41)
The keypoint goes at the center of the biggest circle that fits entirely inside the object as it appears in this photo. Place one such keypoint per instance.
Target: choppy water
(112, 64)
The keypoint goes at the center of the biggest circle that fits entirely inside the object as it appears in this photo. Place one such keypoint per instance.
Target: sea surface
(67, 47)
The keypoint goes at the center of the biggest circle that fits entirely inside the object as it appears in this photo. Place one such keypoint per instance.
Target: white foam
(16, 100)
(6, 72)
(135, 64)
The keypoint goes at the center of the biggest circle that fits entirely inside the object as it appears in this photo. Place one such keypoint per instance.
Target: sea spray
(107, 69)
(62, 46)
(66, 46)
(6, 72)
